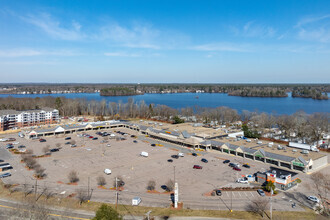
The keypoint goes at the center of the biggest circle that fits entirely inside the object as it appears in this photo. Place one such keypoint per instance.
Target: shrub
(106, 212)
(73, 177)
(298, 180)
(101, 181)
(151, 185)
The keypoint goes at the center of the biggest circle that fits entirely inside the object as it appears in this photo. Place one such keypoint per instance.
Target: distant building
(11, 119)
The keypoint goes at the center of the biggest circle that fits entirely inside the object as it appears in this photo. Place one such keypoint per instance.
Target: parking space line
(239, 194)
(227, 194)
(252, 194)
(245, 194)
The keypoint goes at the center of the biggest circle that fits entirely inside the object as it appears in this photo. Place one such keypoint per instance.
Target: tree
(101, 181)
(73, 177)
(249, 133)
(170, 185)
(82, 195)
(177, 120)
(45, 150)
(39, 171)
(105, 212)
(151, 185)
(258, 206)
(270, 185)
(321, 182)
(120, 182)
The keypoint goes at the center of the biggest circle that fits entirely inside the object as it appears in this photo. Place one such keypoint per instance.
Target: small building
(282, 179)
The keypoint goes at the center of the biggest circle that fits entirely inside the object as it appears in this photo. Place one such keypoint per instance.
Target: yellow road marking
(9, 207)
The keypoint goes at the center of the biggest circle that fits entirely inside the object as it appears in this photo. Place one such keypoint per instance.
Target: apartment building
(11, 119)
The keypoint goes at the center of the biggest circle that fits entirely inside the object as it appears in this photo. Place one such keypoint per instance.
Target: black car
(164, 187)
(194, 154)
(170, 160)
(204, 160)
(226, 161)
(153, 145)
(2, 161)
(133, 136)
(42, 140)
(54, 150)
(246, 165)
(231, 164)
(175, 156)
(5, 175)
(68, 143)
(21, 146)
(95, 138)
(67, 138)
(135, 141)
(218, 192)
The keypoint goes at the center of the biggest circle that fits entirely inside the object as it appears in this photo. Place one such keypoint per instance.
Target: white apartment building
(10, 119)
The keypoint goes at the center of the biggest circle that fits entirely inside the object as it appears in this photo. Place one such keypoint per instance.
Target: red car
(237, 169)
(91, 137)
(197, 167)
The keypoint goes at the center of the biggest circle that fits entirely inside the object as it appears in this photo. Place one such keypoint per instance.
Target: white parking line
(239, 194)
(245, 194)
(227, 194)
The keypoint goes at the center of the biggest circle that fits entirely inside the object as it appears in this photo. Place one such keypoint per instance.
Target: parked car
(90, 136)
(204, 160)
(21, 146)
(231, 165)
(67, 138)
(197, 167)
(9, 146)
(153, 145)
(194, 154)
(95, 138)
(313, 198)
(133, 136)
(108, 145)
(67, 143)
(73, 145)
(135, 141)
(42, 140)
(107, 171)
(242, 180)
(218, 192)
(237, 169)
(246, 165)
(175, 156)
(2, 161)
(5, 175)
(164, 187)
(170, 160)
(261, 192)
(180, 154)
(226, 161)
(54, 150)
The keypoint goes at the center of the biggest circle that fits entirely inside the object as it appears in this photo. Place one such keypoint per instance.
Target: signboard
(176, 195)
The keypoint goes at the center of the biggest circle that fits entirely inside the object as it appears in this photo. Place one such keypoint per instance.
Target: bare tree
(39, 171)
(45, 150)
(170, 185)
(120, 182)
(82, 195)
(321, 182)
(258, 206)
(30, 162)
(27, 189)
(73, 142)
(101, 181)
(58, 145)
(151, 185)
(73, 177)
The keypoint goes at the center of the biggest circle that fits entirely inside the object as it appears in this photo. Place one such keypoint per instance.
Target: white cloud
(314, 28)
(253, 29)
(225, 47)
(121, 54)
(27, 52)
(54, 28)
(137, 36)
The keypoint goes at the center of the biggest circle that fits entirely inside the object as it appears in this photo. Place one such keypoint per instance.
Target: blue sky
(165, 41)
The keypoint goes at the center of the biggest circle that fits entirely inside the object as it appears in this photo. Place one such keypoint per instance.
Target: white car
(242, 180)
(107, 171)
(313, 198)
(180, 154)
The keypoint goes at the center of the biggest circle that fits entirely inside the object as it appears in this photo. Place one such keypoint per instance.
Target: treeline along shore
(314, 91)
(307, 127)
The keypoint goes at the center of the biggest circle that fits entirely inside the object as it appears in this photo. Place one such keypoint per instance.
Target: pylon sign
(176, 195)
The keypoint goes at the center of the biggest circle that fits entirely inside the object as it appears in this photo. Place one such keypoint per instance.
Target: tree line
(298, 126)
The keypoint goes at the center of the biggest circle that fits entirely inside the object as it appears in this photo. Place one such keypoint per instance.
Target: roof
(15, 112)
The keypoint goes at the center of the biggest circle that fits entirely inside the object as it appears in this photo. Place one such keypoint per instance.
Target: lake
(287, 105)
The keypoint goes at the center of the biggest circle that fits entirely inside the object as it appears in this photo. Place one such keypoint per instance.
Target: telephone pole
(35, 189)
(88, 189)
(116, 193)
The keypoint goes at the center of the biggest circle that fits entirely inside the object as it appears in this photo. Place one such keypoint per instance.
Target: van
(144, 154)
(136, 201)
(180, 154)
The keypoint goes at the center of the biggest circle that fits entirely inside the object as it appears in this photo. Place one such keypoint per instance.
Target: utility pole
(116, 193)
(271, 204)
(35, 189)
(174, 174)
(88, 189)
(231, 199)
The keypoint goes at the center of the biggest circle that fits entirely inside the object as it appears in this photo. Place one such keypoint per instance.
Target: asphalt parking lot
(91, 157)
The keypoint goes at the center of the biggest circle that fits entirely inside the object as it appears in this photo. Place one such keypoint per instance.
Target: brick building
(11, 119)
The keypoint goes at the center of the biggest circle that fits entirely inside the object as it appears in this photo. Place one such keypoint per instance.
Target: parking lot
(91, 157)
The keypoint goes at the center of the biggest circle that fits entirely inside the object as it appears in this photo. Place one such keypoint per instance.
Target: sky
(168, 41)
